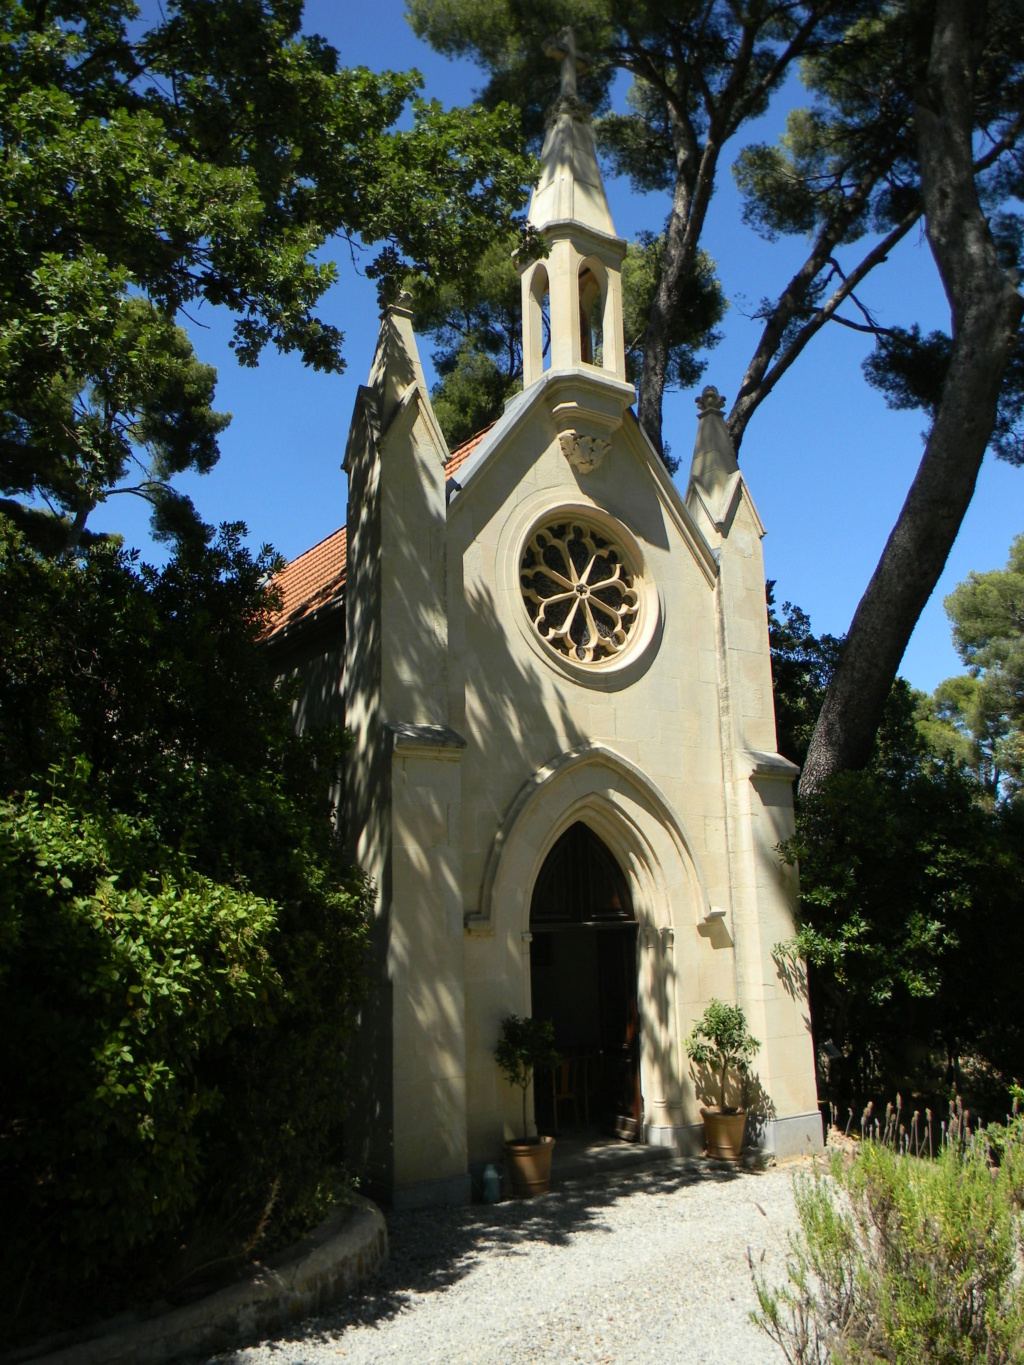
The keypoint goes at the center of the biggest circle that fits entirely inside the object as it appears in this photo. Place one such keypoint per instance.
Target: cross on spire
(562, 47)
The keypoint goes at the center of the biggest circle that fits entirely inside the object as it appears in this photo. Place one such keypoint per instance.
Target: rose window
(578, 591)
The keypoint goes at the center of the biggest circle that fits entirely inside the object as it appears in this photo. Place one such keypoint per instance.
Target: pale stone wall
(671, 738)
(366, 805)
(425, 964)
(477, 747)
(404, 788)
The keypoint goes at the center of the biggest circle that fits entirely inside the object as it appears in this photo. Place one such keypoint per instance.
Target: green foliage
(187, 849)
(802, 666)
(701, 307)
(472, 395)
(638, 144)
(850, 159)
(979, 718)
(847, 166)
(902, 1259)
(476, 324)
(719, 1040)
(524, 1046)
(505, 37)
(674, 54)
(910, 370)
(910, 896)
(857, 134)
(121, 969)
(964, 724)
(911, 870)
(204, 159)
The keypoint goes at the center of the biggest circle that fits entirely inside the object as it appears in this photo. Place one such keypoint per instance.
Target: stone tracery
(579, 591)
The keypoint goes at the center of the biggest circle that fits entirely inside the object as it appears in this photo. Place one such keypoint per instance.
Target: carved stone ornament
(710, 401)
(584, 453)
(578, 591)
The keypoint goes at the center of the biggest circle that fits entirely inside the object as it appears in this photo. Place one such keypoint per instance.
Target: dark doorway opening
(583, 968)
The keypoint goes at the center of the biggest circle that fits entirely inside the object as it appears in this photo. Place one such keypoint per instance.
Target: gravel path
(647, 1267)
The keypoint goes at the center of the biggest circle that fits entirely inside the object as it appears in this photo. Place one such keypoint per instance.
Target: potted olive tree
(720, 1043)
(524, 1046)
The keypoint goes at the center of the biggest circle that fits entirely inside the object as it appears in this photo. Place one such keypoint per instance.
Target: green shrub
(181, 940)
(525, 1046)
(118, 971)
(720, 1039)
(901, 1259)
(911, 894)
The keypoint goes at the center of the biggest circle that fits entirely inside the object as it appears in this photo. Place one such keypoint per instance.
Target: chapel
(564, 779)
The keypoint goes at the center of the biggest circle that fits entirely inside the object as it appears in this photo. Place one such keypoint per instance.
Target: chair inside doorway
(583, 967)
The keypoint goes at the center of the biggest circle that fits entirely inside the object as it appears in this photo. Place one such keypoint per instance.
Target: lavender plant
(900, 1258)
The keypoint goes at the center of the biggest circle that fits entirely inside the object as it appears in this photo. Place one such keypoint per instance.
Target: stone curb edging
(351, 1246)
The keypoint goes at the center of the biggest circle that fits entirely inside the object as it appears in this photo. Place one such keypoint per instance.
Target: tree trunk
(986, 314)
(680, 245)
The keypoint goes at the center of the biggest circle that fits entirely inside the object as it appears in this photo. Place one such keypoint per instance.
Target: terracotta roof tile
(317, 576)
(311, 580)
(462, 453)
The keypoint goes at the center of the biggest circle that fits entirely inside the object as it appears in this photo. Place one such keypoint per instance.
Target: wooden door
(620, 1030)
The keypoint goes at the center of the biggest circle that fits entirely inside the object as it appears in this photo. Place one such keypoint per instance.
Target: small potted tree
(721, 1042)
(524, 1046)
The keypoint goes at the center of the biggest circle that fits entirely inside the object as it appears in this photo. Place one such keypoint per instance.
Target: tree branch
(771, 77)
(762, 374)
(872, 328)
(986, 311)
(1001, 145)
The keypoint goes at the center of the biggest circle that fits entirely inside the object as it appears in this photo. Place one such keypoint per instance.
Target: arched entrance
(583, 970)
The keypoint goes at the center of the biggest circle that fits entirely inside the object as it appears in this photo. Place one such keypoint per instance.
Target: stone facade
(486, 726)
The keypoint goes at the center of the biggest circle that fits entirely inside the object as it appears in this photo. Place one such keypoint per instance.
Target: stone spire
(572, 299)
(396, 362)
(714, 460)
(570, 187)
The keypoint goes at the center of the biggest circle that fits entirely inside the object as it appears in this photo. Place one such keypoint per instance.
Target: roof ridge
(322, 541)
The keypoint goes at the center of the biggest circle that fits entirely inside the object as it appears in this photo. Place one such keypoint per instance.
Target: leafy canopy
(847, 166)
(105, 1099)
(910, 894)
(802, 665)
(977, 718)
(475, 323)
(206, 159)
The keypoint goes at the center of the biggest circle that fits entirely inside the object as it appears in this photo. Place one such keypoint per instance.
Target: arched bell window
(592, 293)
(538, 329)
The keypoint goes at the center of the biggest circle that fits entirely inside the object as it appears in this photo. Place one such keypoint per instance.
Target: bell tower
(572, 299)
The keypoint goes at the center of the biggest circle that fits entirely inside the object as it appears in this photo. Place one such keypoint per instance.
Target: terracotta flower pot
(723, 1133)
(529, 1166)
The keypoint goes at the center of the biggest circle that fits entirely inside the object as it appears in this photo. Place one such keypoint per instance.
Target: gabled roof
(314, 578)
(317, 577)
(461, 453)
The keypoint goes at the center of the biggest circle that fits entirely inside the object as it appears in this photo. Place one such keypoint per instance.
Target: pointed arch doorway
(583, 971)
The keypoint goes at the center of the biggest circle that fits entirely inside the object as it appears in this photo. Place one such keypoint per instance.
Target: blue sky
(827, 463)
